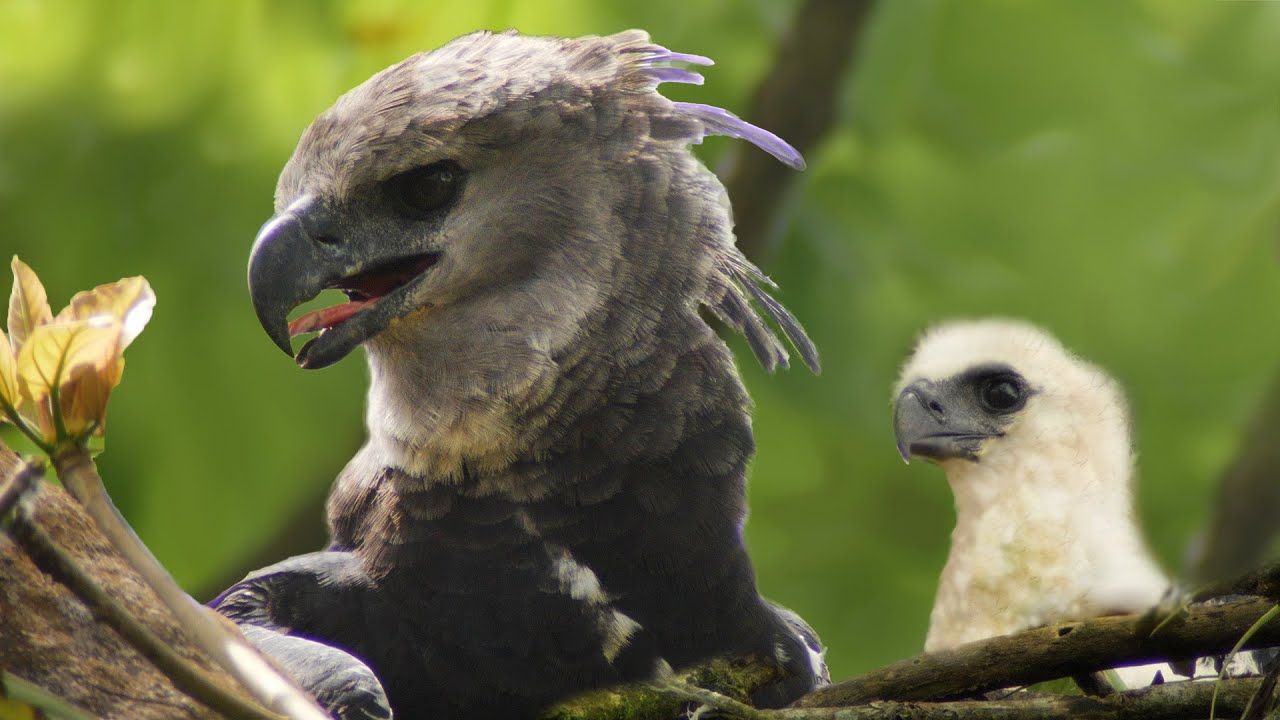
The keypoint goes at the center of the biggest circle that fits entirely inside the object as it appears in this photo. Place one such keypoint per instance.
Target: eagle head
(501, 209)
(983, 390)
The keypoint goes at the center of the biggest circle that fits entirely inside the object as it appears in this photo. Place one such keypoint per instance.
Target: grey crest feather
(733, 272)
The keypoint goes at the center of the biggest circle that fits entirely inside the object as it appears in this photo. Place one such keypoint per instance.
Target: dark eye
(1001, 393)
(424, 190)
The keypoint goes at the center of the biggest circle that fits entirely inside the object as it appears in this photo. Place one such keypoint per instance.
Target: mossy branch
(1055, 651)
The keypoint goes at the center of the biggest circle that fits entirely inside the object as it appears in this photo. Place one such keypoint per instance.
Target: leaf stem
(227, 647)
(21, 423)
(55, 409)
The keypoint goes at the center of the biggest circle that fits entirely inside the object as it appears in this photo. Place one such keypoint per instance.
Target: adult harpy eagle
(551, 497)
(1035, 443)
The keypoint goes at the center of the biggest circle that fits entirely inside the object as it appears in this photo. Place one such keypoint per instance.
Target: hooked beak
(927, 424)
(299, 253)
(285, 270)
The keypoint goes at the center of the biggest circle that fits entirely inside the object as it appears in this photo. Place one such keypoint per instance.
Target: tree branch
(1053, 652)
(49, 638)
(225, 645)
(797, 101)
(186, 676)
(1262, 582)
(1171, 701)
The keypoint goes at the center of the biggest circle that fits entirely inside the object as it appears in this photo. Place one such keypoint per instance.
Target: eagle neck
(1042, 534)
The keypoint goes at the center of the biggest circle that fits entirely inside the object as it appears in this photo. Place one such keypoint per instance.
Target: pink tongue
(327, 317)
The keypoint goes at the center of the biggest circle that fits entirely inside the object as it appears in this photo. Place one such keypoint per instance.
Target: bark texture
(51, 638)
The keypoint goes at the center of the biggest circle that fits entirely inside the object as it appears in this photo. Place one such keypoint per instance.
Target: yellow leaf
(76, 356)
(130, 301)
(56, 352)
(28, 304)
(83, 398)
(8, 373)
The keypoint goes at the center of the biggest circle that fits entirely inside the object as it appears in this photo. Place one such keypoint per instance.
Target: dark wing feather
(736, 312)
(790, 325)
(735, 274)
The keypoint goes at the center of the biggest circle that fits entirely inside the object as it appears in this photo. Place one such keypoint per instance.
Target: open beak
(296, 256)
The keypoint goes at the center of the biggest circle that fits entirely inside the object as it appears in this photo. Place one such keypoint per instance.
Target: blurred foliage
(1110, 170)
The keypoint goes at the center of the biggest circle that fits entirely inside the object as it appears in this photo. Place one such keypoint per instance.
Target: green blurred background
(1107, 168)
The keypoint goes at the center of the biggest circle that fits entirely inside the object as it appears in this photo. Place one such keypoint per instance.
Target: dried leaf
(28, 304)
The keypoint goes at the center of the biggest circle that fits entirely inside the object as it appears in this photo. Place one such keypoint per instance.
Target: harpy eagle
(551, 497)
(1036, 447)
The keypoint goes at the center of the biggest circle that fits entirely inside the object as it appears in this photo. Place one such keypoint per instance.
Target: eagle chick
(1035, 444)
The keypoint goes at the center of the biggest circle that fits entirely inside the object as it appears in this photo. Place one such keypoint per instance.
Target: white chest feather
(1039, 538)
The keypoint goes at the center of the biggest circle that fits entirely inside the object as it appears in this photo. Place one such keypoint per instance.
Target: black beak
(285, 270)
(932, 425)
(306, 249)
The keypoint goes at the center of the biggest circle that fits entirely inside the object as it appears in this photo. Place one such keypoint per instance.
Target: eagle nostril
(326, 239)
(936, 407)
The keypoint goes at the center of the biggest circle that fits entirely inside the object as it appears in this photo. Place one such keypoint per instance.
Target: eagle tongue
(326, 318)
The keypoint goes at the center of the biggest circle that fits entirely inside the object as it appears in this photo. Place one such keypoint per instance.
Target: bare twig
(1053, 652)
(187, 677)
(229, 649)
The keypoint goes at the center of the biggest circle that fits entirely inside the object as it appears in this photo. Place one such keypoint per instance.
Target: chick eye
(1001, 394)
(424, 190)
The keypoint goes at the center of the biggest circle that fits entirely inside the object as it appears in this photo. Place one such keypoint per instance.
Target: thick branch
(48, 637)
(722, 683)
(1263, 582)
(1053, 652)
(186, 675)
(797, 101)
(226, 646)
(1172, 701)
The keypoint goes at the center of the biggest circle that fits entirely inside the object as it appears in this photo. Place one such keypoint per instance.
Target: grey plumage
(552, 494)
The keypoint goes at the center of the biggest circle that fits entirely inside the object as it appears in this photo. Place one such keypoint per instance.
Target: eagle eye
(427, 189)
(1002, 393)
